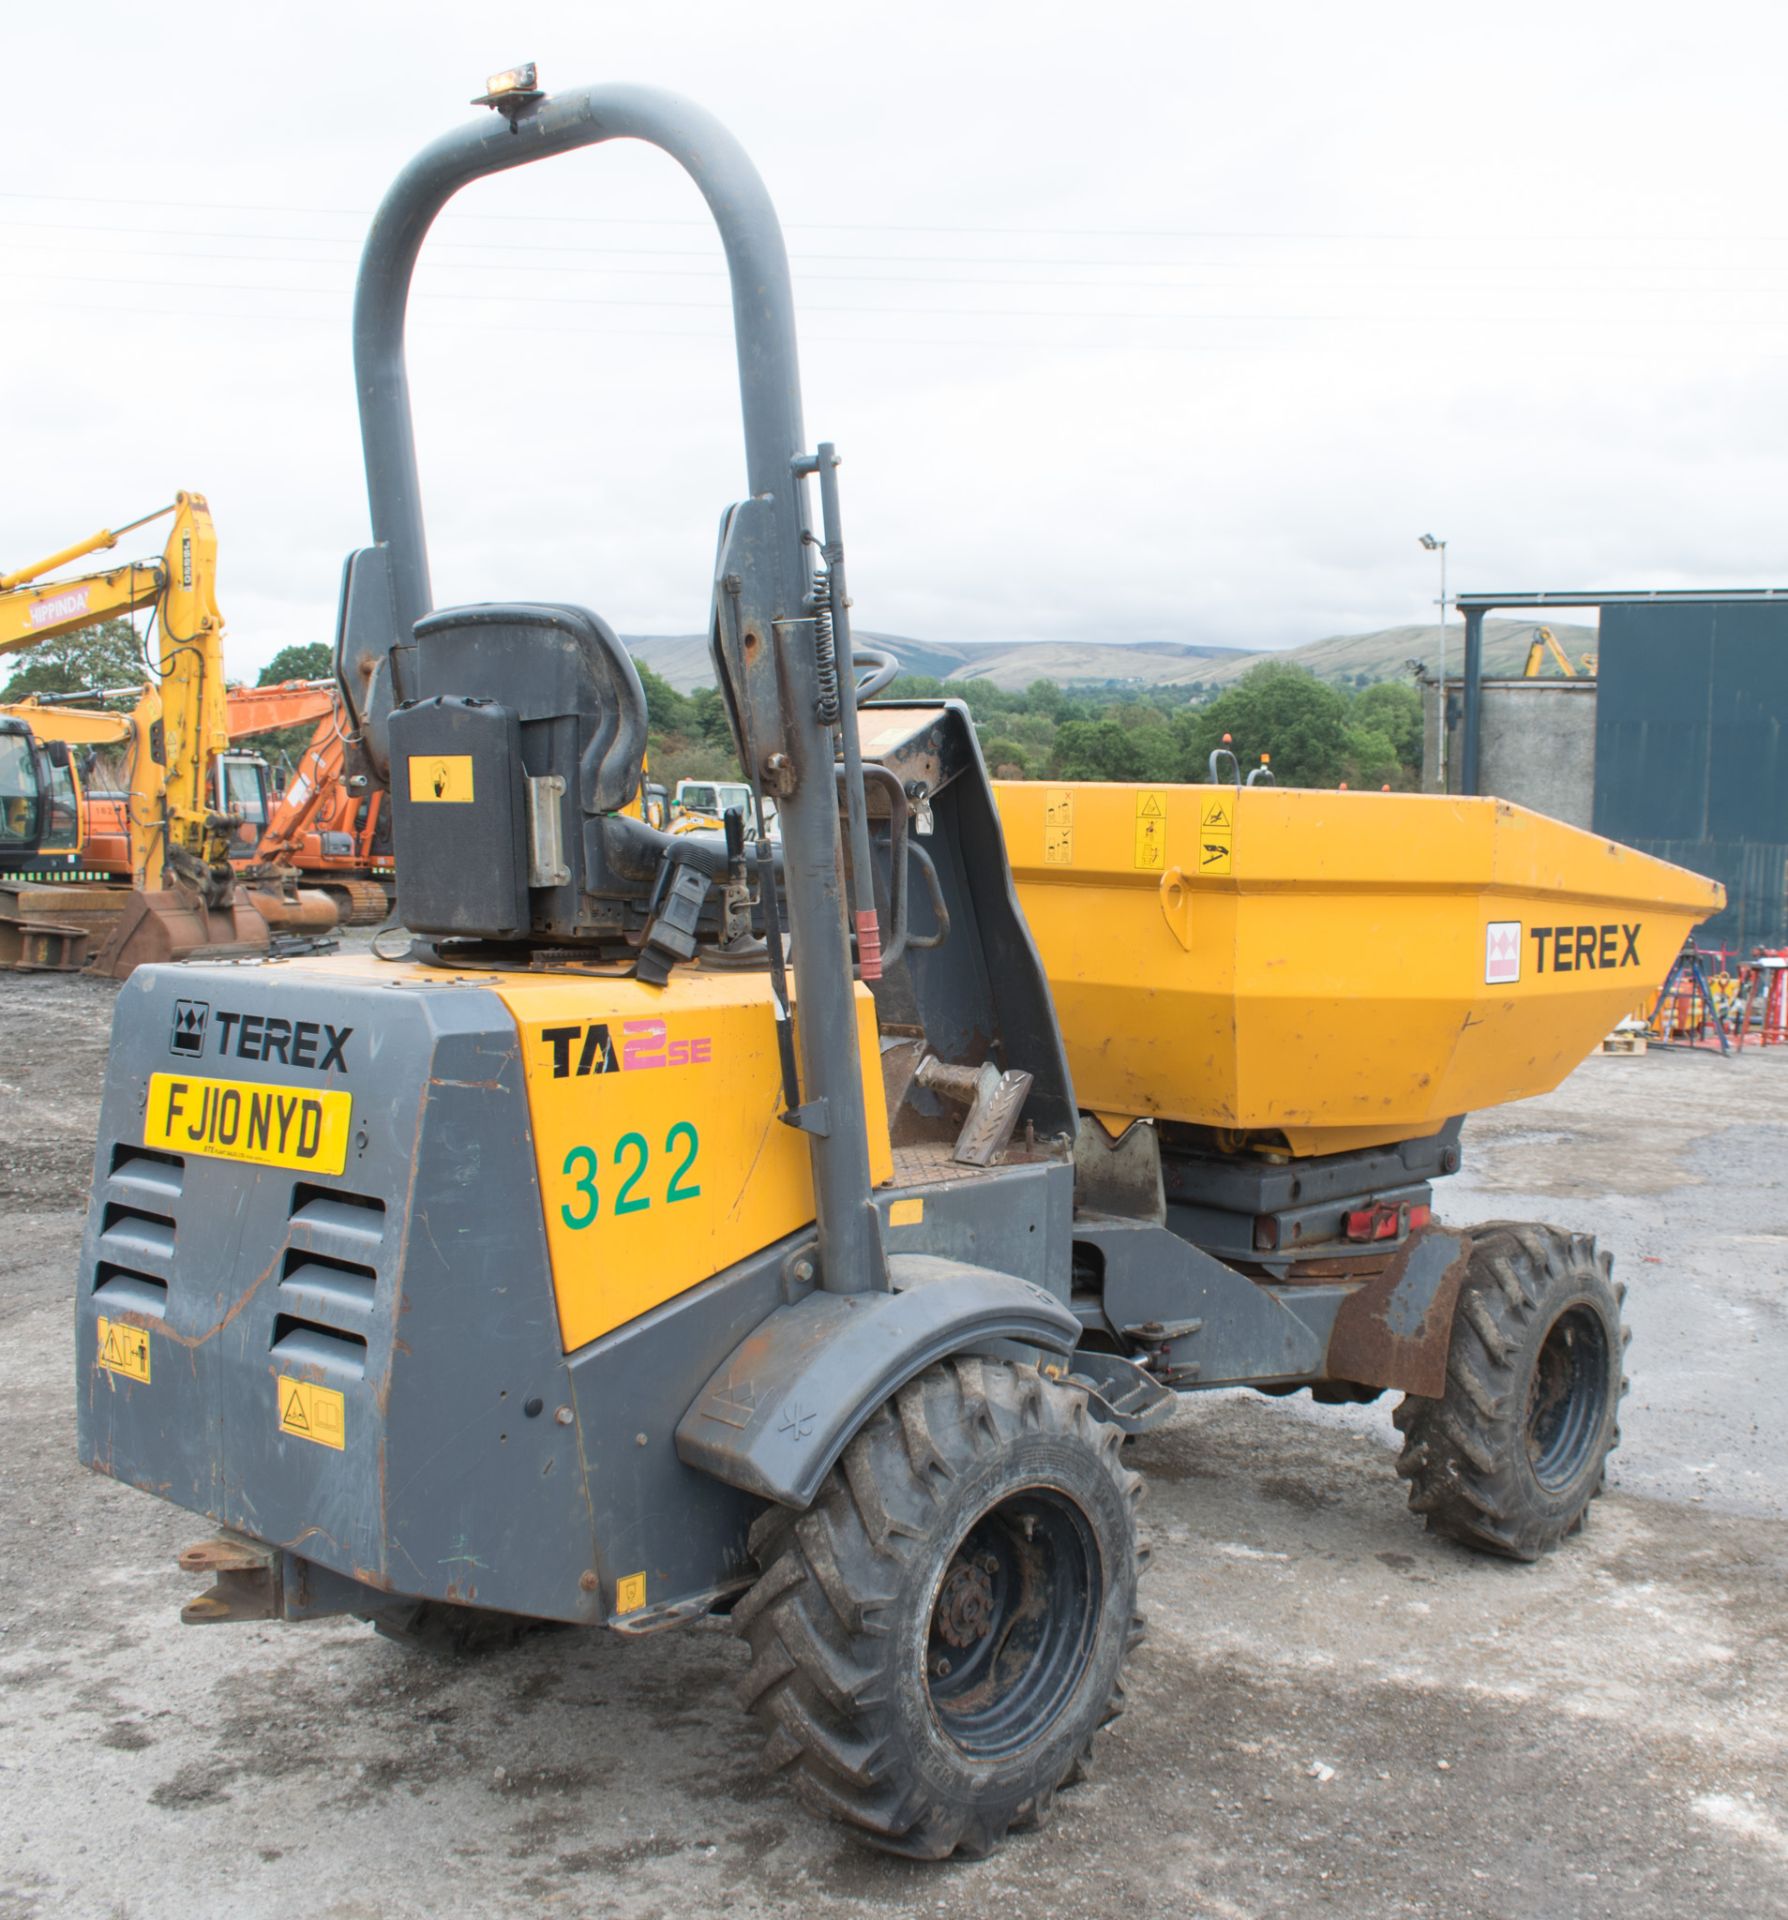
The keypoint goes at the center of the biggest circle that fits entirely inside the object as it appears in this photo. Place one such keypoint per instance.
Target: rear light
(1383, 1221)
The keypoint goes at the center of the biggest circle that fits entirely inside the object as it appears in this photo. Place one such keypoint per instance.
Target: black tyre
(935, 1642)
(1510, 1456)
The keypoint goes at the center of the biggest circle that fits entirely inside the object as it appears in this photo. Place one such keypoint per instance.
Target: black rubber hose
(634, 849)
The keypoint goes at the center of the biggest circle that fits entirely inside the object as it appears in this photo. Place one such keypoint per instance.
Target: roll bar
(763, 302)
(386, 587)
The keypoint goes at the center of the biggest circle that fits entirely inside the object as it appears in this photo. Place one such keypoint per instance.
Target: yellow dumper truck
(793, 1230)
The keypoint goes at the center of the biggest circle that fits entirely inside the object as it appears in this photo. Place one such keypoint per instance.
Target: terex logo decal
(586, 1049)
(188, 1037)
(256, 1036)
(1573, 949)
(1502, 953)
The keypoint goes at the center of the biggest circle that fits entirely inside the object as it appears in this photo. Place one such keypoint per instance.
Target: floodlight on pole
(1434, 545)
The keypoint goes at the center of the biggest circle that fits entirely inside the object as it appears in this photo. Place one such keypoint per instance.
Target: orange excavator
(329, 829)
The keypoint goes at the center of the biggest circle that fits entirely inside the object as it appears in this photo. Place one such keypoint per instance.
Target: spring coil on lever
(825, 649)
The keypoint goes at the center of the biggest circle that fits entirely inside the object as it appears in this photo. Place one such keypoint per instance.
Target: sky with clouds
(1133, 322)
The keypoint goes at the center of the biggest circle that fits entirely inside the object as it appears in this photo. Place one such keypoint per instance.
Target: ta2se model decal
(644, 1044)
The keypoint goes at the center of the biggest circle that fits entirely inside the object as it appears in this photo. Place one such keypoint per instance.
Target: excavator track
(359, 903)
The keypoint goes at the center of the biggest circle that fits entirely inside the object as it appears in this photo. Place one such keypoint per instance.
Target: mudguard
(779, 1411)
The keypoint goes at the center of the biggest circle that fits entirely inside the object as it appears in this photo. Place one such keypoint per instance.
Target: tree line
(1317, 734)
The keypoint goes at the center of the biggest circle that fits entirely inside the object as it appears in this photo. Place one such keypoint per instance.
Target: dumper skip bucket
(1322, 971)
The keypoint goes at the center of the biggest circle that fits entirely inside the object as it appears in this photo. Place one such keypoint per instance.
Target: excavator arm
(319, 769)
(255, 710)
(32, 610)
(30, 614)
(78, 726)
(1545, 641)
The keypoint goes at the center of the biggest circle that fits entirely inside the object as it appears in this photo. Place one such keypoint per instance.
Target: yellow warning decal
(270, 1126)
(1151, 829)
(630, 1593)
(1216, 835)
(124, 1350)
(906, 1213)
(1058, 827)
(313, 1413)
(441, 776)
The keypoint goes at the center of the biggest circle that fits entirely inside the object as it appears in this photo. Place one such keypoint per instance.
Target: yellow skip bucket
(1332, 970)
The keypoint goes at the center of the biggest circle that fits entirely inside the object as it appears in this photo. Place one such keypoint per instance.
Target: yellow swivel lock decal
(445, 777)
(124, 1350)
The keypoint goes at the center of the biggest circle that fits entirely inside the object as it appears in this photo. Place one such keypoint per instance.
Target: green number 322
(633, 1153)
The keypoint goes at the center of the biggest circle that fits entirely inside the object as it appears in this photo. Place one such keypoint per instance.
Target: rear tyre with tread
(1509, 1457)
(936, 1641)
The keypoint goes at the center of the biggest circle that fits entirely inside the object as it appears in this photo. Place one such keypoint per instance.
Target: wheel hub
(1013, 1619)
(964, 1610)
(1566, 1398)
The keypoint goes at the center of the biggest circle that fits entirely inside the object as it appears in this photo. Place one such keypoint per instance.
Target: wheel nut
(989, 1564)
(941, 1667)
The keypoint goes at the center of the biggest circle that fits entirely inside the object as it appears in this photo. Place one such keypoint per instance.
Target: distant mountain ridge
(1384, 654)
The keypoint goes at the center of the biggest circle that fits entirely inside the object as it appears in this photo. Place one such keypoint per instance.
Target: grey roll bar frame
(851, 1257)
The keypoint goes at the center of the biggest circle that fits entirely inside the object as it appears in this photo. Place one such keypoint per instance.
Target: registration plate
(233, 1120)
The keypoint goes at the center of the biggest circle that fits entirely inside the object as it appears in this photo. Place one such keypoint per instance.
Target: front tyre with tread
(1509, 1457)
(935, 1642)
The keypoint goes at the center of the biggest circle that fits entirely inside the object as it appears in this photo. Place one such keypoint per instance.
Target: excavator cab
(63, 830)
(241, 795)
(22, 806)
(40, 801)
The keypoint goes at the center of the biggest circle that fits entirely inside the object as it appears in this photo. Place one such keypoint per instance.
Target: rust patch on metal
(1395, 1331)
(226, 1553)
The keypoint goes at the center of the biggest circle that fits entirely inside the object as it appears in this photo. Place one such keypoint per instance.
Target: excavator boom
(1545, 641)
(290, 703)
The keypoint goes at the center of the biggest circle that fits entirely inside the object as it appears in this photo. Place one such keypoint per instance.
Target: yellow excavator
(185, 896)
(1545, 641)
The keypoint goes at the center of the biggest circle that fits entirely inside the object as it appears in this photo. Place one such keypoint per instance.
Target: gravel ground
(1333, 1712)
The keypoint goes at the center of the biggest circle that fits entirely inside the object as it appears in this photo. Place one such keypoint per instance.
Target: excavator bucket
(291, 909)
(173, 923)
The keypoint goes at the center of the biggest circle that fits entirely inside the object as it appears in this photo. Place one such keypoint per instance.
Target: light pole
(1440, 546)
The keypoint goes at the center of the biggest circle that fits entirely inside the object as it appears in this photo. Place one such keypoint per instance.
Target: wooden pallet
(1624, 1040)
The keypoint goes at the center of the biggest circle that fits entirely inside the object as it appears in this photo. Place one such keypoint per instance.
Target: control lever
(735, 909)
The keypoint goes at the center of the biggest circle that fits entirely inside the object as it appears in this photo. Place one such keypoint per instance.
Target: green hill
(1345, 658)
